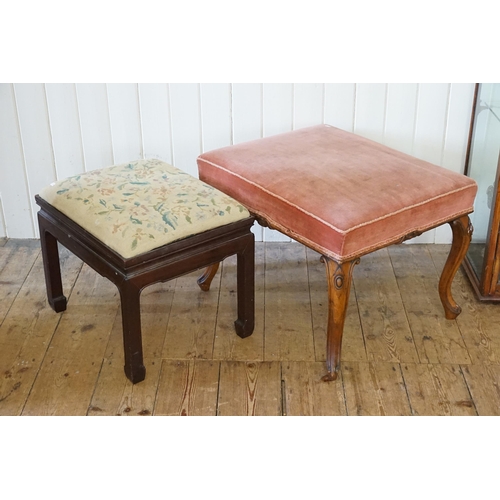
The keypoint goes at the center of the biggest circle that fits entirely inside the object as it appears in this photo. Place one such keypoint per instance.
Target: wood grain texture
(227, 344)
(16, 260)
(188, 388)
(437, 339)
(71, 366)
(72, 363)
(288, 326)
(437, 390)
(305, 394)
(375, 389)
(385, 326)
(249, 388)
(191, 326)
(482, 380)
(116, 395)
(26, 333)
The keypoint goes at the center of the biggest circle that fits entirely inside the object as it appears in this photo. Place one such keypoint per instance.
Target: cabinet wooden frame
(486, 286)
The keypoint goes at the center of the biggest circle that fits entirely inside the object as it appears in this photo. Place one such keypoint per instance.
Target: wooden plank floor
(400, 356)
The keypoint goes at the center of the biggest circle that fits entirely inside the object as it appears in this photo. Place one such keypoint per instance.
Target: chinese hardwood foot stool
(142, 223)
(344, 196)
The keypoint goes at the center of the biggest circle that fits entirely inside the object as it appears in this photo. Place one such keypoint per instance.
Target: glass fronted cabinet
(482, 262)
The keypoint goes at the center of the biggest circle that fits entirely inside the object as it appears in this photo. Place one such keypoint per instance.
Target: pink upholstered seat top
(339, 193)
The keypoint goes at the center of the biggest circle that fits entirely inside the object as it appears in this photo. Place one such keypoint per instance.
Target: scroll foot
(462, 235)
(205, 280)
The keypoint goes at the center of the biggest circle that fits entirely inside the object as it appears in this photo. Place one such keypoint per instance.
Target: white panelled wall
(51, 131)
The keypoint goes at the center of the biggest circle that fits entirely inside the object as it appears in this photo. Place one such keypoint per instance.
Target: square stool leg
(244, 325)
(52, 268)
(132, 336)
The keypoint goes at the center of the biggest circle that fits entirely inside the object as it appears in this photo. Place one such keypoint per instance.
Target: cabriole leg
(462, 235)
(205, 280)
(339, 286)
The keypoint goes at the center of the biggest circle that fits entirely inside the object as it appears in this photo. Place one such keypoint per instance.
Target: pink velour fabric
(336, 192)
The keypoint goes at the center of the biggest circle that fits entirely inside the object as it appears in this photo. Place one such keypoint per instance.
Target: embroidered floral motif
(145, 204)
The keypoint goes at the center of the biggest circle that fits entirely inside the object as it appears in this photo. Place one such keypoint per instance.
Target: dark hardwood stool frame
(132, 275)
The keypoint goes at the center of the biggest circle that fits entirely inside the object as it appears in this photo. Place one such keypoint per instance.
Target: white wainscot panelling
(308, 104)
(277, 108)
(186, 125)
(94, 124)
(430, 127)
(124, 117)
(65, 127)
(370, 110)
(247, 111)
(339, 105)
(16, 219)
(400, 116)
(155, 121)
(36, 139)
(55, 130)
(215, 115)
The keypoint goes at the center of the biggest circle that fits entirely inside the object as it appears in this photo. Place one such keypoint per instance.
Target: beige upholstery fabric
(139, 206)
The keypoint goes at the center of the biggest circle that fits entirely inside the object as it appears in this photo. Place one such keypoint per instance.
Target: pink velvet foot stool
(344, 196)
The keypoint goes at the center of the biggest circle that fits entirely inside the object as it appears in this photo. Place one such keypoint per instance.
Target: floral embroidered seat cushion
(139, 206)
